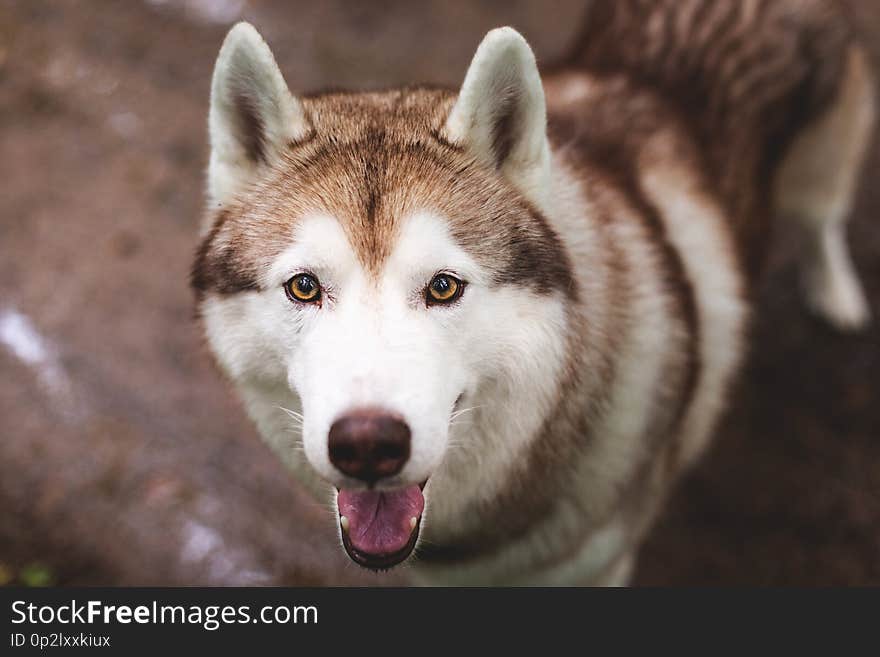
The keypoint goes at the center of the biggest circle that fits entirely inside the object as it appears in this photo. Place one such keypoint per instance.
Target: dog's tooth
(343, 522)
(412, 522)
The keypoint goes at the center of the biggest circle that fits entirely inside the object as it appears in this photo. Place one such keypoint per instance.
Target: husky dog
(493, 326)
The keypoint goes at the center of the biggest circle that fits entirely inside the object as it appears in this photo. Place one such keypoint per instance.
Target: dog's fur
(610, 223)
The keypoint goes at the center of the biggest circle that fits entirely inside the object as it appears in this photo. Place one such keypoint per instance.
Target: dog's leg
(815, 187)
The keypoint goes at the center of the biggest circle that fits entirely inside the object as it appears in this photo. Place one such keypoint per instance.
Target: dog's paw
(838, 298)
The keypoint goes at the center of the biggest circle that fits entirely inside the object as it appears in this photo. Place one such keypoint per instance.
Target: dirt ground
(124, 457)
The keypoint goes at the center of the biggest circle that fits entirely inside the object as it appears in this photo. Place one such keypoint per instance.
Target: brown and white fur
(610, 223)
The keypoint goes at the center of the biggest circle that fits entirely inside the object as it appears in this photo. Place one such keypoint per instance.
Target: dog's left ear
(253, 115)
(500, 114)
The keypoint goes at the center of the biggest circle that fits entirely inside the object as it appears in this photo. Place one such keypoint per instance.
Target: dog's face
(371, 262)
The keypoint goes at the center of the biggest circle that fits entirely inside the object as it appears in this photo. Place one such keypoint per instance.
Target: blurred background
(124, 456)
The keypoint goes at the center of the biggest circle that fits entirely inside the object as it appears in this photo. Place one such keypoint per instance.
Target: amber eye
(443, 288)
(303, 288)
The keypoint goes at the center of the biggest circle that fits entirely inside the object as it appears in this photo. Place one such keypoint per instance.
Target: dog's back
(776, 94)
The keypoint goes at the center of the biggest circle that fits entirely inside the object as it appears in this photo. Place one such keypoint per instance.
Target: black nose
(369, 444)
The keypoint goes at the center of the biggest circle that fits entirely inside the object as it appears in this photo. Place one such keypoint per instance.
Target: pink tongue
(379, 521)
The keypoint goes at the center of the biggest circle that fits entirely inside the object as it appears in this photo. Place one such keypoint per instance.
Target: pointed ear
(253, 115)
(500, 114)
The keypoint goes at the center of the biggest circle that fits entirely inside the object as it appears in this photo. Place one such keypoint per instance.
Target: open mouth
(380, 527)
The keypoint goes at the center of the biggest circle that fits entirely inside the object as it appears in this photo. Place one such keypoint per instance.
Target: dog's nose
(369, 444)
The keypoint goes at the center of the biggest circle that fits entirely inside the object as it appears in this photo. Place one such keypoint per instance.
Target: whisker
(462, 411)
(291, 413)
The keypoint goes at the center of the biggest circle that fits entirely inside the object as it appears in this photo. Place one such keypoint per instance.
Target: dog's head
(370, 263)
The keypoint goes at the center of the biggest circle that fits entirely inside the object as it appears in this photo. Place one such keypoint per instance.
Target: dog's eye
(303, 288)
(443, 288)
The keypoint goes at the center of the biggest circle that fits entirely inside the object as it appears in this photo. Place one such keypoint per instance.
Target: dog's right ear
(253, 115)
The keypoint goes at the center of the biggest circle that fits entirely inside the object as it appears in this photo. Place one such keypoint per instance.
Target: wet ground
(124, 457)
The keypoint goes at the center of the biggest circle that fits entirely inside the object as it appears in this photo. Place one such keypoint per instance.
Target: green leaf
(36, 574)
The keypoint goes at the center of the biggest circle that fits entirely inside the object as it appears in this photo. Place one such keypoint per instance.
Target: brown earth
(124, 458)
